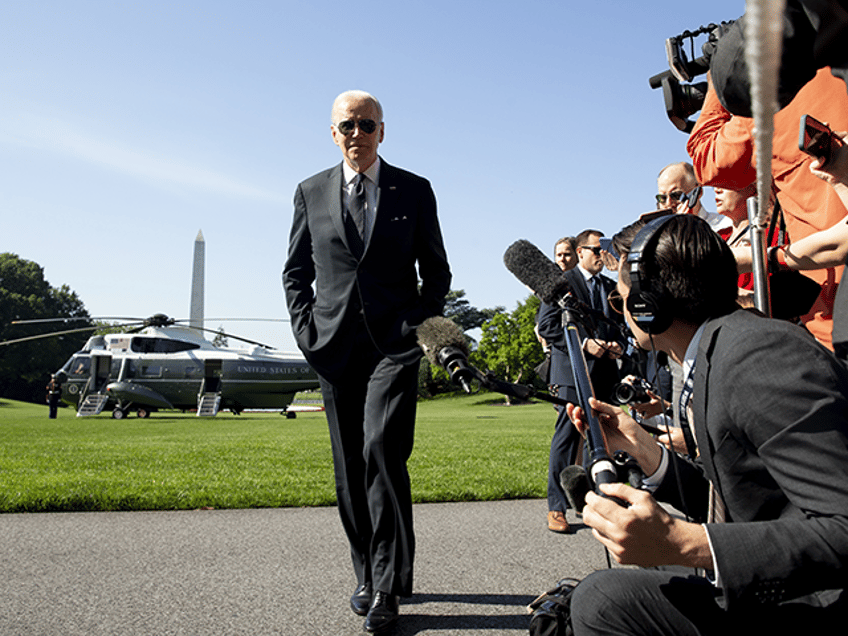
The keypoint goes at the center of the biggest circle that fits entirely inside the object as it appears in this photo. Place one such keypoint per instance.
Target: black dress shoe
(383, 612)
(360, 602)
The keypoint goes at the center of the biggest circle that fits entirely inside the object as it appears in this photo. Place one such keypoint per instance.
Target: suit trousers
(675, 602)
(566, 443)
(371, 416)
(565, 446)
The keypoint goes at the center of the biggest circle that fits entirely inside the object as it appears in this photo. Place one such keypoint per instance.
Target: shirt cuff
(715, 575)
(652, 482)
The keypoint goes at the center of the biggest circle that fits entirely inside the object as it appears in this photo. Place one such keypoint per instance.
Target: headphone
(648, 299)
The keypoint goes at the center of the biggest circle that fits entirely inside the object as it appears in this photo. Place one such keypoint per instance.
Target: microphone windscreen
(437, 333)
(529, 265)
(575, 483)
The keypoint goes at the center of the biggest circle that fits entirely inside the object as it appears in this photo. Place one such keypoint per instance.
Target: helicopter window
(161, 345)
(151, 371)
(79, 365)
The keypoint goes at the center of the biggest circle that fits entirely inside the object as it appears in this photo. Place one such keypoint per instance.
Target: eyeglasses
(615, 301)
(347, 126)
(675, 196)
(596, 249)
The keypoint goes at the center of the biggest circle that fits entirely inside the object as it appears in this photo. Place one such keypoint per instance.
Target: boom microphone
(545, 278)
(576, 485)
(529, 265)
(444, 344)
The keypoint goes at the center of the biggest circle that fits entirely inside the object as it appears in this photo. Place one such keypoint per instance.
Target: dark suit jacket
(381, 286)
(550, 328)
(771, 419)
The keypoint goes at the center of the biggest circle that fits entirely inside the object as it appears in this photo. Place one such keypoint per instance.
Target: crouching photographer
(764, 545)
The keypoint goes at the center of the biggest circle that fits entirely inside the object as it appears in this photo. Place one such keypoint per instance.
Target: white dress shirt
(372, 177)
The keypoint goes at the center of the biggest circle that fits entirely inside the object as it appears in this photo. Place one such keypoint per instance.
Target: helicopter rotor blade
(137, 324)
(41, 336)
(49, 335)
(237, 320)
(227, 335)
(69, 318)
(36, 321)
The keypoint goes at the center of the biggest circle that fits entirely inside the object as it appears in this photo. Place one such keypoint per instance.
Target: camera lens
(626, 393)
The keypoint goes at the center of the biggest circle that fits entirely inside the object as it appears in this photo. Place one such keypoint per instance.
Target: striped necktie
(357, 204)
(716, 512)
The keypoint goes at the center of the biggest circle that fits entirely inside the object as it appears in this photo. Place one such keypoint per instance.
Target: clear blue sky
(126, 127)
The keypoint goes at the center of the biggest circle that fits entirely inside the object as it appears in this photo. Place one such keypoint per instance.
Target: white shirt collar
(373, 172)
(587, 275)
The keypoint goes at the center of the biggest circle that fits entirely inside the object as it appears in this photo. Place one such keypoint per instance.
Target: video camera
(682, 97)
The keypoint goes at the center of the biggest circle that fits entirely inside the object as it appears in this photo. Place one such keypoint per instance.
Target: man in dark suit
(602, 349)
(358, 234)
(767, 501)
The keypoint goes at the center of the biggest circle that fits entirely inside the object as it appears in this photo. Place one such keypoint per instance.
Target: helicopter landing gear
(118, 413)
(143, 413)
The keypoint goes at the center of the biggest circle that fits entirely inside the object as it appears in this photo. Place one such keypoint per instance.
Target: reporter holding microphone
(767, 529)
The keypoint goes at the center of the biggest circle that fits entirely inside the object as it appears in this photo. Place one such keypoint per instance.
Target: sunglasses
(596, 249)
(616, 302)
(681, 197)
(675, 196)
(347, 126)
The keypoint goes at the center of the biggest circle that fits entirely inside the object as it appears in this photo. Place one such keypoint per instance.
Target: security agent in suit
(769, 415)
(356, 328)
(602, 349)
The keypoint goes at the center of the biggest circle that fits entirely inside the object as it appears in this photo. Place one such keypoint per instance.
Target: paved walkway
(273, 571)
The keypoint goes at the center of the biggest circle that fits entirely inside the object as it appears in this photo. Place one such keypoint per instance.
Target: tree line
(25, 367)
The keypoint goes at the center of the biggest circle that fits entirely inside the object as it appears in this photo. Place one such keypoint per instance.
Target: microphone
(576, 485)
(445, 346)
(529, 265)
(544, 277)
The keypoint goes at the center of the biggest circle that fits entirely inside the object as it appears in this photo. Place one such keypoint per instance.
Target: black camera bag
(551, 612)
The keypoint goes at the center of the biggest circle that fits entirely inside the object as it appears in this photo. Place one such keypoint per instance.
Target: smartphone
(606, 245)
(816, 139)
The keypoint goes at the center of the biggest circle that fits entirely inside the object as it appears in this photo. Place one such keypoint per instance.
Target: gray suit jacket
(771, 419)
(381, 286)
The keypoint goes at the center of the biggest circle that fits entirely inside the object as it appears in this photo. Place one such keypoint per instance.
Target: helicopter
(161, 364)
(157, 363)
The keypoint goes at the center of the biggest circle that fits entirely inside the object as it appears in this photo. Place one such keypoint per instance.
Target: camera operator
(814, 33)
(769, 414)
(722, 149)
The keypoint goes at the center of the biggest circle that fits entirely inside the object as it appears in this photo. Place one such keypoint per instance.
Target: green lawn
(466, 448)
